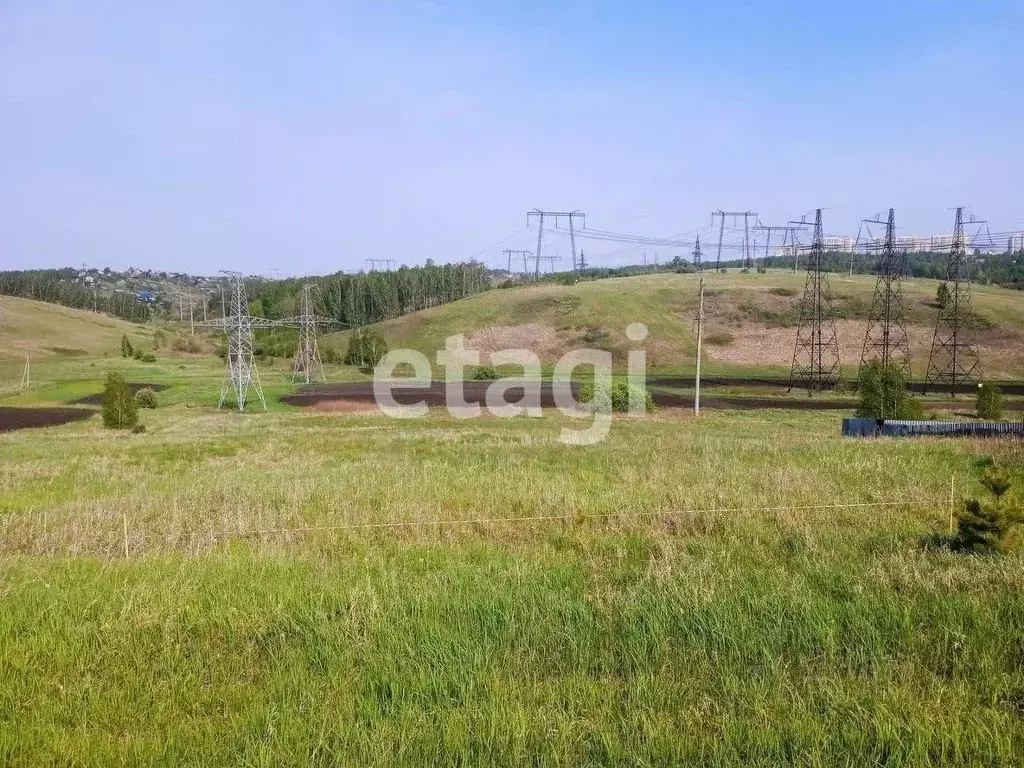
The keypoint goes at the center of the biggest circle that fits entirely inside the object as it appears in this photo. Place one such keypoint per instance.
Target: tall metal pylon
(886, 338)
(577, 214)
(307, 356)
(721, 232)
(697, 256)
(954, 358)
(240, 373)
(816, 354)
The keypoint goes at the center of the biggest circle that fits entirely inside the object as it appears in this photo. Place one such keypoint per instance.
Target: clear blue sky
(308, 136)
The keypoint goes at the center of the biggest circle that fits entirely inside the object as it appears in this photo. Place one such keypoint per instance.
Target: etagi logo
(455, 357)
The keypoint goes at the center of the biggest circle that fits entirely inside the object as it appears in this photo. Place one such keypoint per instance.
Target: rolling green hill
(751, 320)
(46, 330)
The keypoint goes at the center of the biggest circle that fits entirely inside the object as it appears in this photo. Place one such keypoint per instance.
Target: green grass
(596, 313)
(639, 629)
(347, 589)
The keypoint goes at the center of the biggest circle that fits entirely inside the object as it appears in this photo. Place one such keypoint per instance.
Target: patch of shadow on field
(30, 418)
(434, 395)
(135, 386)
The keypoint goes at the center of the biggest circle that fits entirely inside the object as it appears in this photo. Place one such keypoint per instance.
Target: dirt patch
(542, 340)
(435, 394)
(30, 418)
(344, 406)
(758, 344)
(97, 399)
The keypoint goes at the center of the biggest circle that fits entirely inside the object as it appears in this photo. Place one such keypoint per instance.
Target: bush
(126, 347)
(782, 292)
(365, 348)
(159, 339)
(942, 296)
(190, 345)
(486, 373)
(138, 429)
(990, 402)
(119, 409)
(720, 338)
(138, 354)
(883, 394)
(145, 398)
(148, 357)
(616, 398)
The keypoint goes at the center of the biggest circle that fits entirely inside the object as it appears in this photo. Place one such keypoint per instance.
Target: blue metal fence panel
(909, 428)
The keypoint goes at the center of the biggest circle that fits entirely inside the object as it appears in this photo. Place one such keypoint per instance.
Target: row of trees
(358, 299)
(369, 297)
(59, 286)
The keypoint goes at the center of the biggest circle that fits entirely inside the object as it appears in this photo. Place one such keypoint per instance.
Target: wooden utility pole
(700, 341)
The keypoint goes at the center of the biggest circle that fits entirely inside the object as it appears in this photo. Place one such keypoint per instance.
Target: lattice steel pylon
(240, 372)
(954, 359)
(816, 354)
(886, 337)
(697, 255)
(307, 355)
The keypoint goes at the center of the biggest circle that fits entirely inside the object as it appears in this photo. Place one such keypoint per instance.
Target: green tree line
(59, 286)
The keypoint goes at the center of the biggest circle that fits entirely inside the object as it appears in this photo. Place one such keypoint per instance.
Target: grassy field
(683, 608)
(754, 315)
(303, 588)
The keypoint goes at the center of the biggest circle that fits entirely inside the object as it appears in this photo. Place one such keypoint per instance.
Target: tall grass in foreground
(796, 636)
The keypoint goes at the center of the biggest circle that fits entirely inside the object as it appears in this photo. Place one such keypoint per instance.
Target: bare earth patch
(542, 340)
(345, 406)
(1002, 353)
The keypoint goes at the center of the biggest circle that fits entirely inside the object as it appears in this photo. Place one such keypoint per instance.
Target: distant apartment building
(1015, 243)
(832, 243)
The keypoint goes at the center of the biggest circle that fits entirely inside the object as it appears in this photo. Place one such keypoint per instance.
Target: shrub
(486, 373)
(138, 354)
(190, 345)
(138, 429)
(720, 338)
(148, 357)
(983, 526)
(126, 347)
(145, 398)
(615, 398)
(159, 339)
(365, 348)
(942, 296)
(119, 409)
(782, 291)
(990, 402)
(883, 394)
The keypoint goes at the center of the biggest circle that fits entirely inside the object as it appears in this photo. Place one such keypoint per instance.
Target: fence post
(124, 525)
(952, 478)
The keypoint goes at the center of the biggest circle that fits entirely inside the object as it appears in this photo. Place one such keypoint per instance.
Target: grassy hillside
(47, 331)
(751, 320)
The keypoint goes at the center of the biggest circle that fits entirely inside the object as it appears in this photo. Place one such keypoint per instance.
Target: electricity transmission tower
(510, 252)
(816, 354)
(307, 355)
(540, 230)
(551, 263)
(240, 373)
(371, 264)
(954, 356)
(768, 237)
(734, 215)
(886, 337)
(697, 256)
